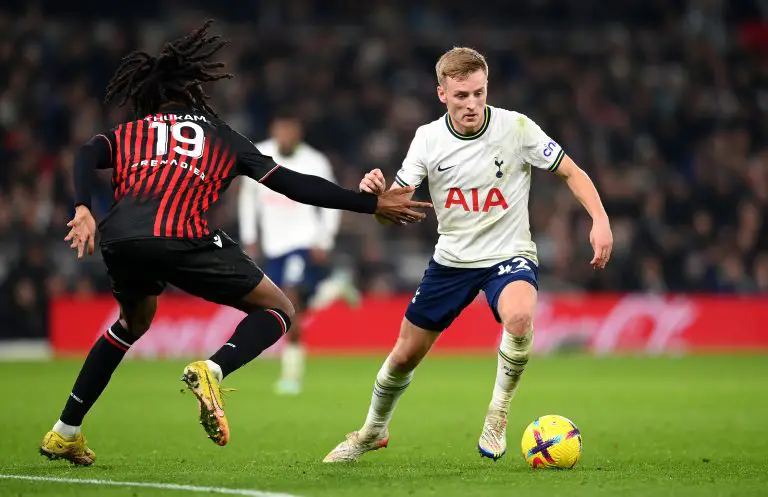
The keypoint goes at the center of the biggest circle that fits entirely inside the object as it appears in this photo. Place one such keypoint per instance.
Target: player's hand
(397, 206)
(82, 232)
(373, 182)
(601, 239)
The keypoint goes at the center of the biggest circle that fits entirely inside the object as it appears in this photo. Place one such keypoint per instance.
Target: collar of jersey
(476, 134)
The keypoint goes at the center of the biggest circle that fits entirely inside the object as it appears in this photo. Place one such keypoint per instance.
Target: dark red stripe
(118, 160)
(213, 191)
(162, 187)
(180, 191)
(154, 172)
(158, 188)
(202, 197)
(127, 150)
(201, 226)
(149, 156)
(227, 160)
(212, 166)
(172, 226)
(184, 214)
(220, 162)
(213, 187)
(223, 177)
(137, 153)
(115, 343)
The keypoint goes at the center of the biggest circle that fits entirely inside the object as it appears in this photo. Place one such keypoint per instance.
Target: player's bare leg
(392, 380)
(65, 440)
(269, 317)
(516, 308)
(292, 360)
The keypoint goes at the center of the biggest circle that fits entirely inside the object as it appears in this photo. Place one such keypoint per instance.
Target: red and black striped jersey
(169, 169)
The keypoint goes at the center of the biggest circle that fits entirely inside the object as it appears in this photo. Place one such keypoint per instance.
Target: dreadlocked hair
(176, 75)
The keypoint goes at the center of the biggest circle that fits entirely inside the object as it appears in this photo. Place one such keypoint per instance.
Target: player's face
(465, 99)
(287, 134)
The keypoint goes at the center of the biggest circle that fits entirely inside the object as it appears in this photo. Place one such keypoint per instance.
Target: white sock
(293, 362)
(514, 352)
(65, 430)
(388, 388)
(215, 369)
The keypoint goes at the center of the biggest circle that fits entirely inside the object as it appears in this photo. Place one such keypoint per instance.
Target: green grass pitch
(651, 426)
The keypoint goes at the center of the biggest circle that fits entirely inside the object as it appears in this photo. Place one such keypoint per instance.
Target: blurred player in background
(295, 238)
(170, 165)
(478, 160)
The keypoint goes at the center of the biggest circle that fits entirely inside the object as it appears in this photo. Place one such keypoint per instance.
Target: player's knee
(136, 316)
(137, 326)
(403, 361)
(518, 323)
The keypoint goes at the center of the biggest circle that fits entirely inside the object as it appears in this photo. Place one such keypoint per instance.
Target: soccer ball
(552, 442)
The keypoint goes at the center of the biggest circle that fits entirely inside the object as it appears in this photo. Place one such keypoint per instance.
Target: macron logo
(217, 241)
(75, 397)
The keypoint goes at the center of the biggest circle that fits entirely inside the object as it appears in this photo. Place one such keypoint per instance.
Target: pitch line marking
(163, 486)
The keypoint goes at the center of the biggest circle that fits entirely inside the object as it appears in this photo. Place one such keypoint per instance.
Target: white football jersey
(480, 184)
(286, 225)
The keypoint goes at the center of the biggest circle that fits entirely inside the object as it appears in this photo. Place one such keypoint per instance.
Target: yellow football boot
(201, 381)
(74, 449)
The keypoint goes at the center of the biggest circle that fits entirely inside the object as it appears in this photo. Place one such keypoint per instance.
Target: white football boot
(355, 445)
(493, 440)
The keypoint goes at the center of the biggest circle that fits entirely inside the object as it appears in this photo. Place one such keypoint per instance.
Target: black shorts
(213, 268)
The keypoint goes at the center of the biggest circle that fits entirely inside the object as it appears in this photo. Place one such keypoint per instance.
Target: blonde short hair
(460, 62)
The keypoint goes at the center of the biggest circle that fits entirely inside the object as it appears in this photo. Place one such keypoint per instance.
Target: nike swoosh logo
(214, 402)
(441, 169)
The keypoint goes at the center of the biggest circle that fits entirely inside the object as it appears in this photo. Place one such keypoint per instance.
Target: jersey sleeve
(414, 168)
(96, 153)
(250, 161)
(538, 149)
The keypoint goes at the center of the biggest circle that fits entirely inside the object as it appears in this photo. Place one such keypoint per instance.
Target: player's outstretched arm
(96, 153)
(395, 204)
(582, 187)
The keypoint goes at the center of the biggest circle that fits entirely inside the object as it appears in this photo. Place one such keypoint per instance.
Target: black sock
(258, 331)
(102, 360)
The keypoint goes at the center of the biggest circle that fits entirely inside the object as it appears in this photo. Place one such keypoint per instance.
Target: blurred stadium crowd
(664, 103)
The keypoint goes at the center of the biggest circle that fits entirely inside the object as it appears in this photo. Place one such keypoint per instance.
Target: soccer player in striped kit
(170, 165)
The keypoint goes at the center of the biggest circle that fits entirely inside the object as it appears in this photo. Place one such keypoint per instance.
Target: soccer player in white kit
(295, 238)
(478, 160)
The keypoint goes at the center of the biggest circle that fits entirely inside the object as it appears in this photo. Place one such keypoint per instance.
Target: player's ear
(441, 94)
